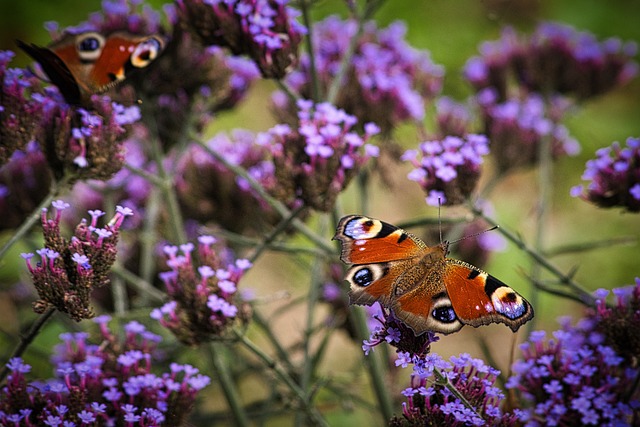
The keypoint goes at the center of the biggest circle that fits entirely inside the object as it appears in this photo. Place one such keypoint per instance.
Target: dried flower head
(102, 385)
(202, 287)
(316, 161)
(388, 80)
(264, 30)
(209, 191)
(69, 270)
(448, 169)
(614, 176)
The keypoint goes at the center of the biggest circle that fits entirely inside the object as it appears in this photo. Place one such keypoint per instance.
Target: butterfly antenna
(474, 234)
(440, 218)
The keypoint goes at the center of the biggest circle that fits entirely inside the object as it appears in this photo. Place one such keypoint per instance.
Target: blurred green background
(452, 30)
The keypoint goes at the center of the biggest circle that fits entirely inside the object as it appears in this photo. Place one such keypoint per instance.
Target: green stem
(138, 283)
(444, 381)
(281, 227)
(315, 81)
(375, 365)
(585, 297)
(25, 340)
(314, 417)
(56, 186)
(275, 204)
(228, 386)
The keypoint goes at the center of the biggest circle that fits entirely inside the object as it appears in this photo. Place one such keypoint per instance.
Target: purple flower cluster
(202, 302)
(209, 191)
(385, 327)
(388, 81)
(265, 30)
(574, 378)
(104, 384)
(68, 270)
(315, 161)
(517, 126)
(618, 323)
(21, 100)
(448, 169)
(555, 59)
(429, 402)
(614, 176)
(24, 181)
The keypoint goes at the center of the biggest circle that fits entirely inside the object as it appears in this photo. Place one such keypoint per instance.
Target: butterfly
(87, 63)
(426, 290)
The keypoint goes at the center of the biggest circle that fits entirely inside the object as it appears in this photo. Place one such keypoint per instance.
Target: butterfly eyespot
(90, 46)
(444, 314)
(146, 51)
(363, 277)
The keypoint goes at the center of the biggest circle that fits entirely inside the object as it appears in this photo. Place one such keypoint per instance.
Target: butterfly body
(87, 63)
(425, 289)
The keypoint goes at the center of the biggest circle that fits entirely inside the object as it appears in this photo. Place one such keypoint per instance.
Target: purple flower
(447, 168)
(614, 176)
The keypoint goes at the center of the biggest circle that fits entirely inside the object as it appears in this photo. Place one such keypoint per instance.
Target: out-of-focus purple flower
(265, 30)
(69, 270)
(24, 181)
(429, 402)
(105, 383)
(453, 118)
(208, 191)
(388, 81)
(516, 127)
(203, 298)
(555, 59)
(315, 161)
(614, 176)
(451, 167)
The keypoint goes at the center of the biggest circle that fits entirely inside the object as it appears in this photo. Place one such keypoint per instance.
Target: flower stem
(315, 82)
(25, 340)
(314, 416)
(56, 186)
(374, 365)
(228, 386)
(444, 381)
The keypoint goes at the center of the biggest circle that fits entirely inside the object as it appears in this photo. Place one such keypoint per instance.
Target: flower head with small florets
(202, 286)
(430, 400)
(614, 176)
(316, 160)
(109, 383)
(448, 169)
(69, 270)
(574, 378)
(387, 82)
(264, 30)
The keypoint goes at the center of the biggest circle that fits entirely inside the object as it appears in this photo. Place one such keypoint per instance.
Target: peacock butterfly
(86, 63)
(425, 289)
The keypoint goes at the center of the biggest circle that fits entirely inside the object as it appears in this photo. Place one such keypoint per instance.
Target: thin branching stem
(27, 338)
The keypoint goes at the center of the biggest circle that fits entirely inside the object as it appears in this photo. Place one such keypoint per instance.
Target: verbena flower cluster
(315, 160)
(556, 58)
(209, 192)
(264, 30)
(448, 169)
(430, 402)
(614, 176)
(388, 81)
(202, 287)
(517, 126)
(69, 269)
(574, 379)
(106, 382)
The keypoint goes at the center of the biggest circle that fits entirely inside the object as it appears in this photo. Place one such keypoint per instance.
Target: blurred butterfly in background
(87, 63)
(425, 289)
